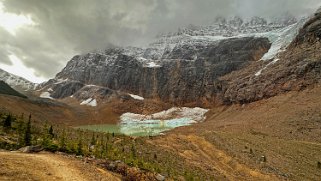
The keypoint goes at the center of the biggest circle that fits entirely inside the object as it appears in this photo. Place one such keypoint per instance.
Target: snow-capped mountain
(221, 29)
(184, 66)
(16, 81)
(201, 36)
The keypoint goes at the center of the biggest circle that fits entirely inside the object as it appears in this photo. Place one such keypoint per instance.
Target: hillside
(7, 90)
(295, 68)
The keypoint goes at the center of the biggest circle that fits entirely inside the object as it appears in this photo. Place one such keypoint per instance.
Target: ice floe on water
(196, 114)
(154, 124)
(152, 127)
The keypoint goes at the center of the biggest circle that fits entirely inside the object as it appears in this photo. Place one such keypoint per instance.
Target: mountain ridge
(17, 82)
(180, 68)
(7, 90)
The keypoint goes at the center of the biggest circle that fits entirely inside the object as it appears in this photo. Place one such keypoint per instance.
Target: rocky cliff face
(196, 65)
(186, 75)
(298, 67)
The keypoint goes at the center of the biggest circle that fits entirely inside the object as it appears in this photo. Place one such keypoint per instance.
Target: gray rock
(160, 177)
(112, 166)
(31, 149)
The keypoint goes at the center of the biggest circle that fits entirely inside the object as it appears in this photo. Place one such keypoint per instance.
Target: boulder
(31, 149)
(160, 177)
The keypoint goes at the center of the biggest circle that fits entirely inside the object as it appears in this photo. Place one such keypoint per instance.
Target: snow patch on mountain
(152, 65)
(45, 95)
(281, 39)
(59, 81)
(136, 97)
(89, 102)
(265, 67)
(93, 103)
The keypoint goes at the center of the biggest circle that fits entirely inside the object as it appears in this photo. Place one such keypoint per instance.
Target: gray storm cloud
(68, 27)
(4, 46)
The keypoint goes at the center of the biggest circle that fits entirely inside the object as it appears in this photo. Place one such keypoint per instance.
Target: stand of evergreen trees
(54, 137)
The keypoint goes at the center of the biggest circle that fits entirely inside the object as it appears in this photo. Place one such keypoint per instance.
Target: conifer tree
(93, 140)
(51, 132)
(46, 138)
(7, 121)
(79, 150)
(106, 148)
(102, 148)
(62, 141)
(98, 147)
(27, 136)
(21, 132)
(133, 149)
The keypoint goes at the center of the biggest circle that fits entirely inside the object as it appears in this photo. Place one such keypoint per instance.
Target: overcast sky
(38, 37)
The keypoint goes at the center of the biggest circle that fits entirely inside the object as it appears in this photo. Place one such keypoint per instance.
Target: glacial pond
(144, 128)
(151, 125)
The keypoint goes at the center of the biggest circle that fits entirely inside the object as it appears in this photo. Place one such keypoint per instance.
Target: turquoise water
(140, 128)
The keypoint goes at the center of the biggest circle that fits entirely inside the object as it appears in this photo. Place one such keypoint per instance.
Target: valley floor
(47, 166)
(273, 139)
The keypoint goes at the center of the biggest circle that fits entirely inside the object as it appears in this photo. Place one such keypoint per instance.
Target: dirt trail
(45, 166)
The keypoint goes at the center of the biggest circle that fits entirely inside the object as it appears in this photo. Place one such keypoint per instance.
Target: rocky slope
(197, 65)
(298, 67)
